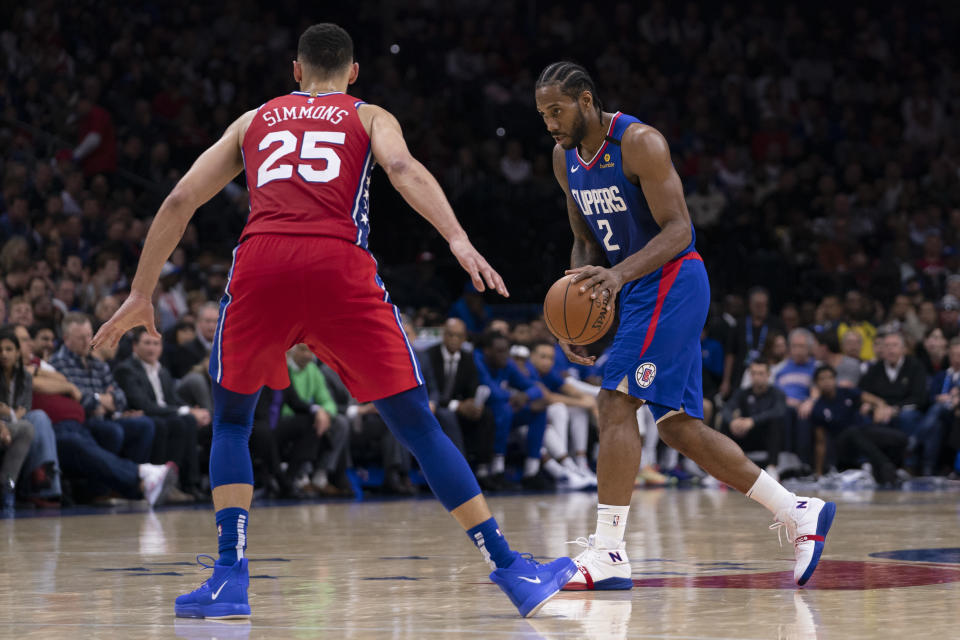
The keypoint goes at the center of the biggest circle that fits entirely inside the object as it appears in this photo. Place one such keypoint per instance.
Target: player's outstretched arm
(211, 172)
(422, 192)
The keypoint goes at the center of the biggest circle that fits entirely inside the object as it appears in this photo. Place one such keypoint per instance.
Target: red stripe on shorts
(667, 278)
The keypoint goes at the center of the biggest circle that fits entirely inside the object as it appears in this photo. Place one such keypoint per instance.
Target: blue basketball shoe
(222, 596)
(530, 584)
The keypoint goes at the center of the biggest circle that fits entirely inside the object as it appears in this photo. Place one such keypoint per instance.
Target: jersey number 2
(605, 224)
(308, 151)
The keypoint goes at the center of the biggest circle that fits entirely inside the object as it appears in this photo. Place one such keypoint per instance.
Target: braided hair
(572, 79)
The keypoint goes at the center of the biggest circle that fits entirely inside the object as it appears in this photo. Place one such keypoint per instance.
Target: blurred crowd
(819, 150)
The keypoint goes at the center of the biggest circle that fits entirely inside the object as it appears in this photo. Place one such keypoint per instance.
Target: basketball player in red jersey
(302, 273)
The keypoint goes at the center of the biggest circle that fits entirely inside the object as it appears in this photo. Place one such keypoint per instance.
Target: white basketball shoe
(807, 523)
(600, 569)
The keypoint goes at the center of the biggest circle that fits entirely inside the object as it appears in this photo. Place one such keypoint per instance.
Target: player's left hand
(608, 282)
(481, 273)
(136, 311)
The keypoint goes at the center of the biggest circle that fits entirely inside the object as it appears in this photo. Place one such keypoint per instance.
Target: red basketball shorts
(325, 292)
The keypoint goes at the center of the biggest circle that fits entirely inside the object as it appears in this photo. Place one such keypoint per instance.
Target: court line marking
(533, 633)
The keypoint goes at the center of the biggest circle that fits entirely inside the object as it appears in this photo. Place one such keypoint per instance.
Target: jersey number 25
(309, 150)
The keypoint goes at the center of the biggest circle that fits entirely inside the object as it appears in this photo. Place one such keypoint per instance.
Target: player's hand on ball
(608, 282)
(136, 311)
(577, 354)
(481, 273)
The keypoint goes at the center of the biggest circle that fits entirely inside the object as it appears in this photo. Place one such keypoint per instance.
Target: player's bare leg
(807, 520)
(472, 512)
(716, 454)
(604, 564)
(232, 495)
(620, 447)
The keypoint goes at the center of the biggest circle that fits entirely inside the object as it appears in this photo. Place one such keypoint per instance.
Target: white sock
(555, 469)
(497, 465)
(770, 494)
(483, 470)
(530, 467)
(611, 525)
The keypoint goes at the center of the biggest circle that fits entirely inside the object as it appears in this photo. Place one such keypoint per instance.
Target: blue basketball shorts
(656, 353)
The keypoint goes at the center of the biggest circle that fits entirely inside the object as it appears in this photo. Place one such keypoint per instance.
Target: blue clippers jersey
(614, 207)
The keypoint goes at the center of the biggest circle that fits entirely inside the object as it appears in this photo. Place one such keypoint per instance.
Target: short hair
(490, 336)
(325, 47)
(823, 369)
(72, 318)
(138, 333)
(572, 79)
(758, 289)
(800, 331)
(37, 327)
(761, 361)
(540, 343)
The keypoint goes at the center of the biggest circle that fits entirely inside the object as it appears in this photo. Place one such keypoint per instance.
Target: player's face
(563, 116)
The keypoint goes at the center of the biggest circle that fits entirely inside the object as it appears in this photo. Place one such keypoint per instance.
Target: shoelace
(204, 564)
(583, 542)
(779, 527)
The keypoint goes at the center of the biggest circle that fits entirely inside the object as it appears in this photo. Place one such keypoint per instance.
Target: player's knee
(618, 411)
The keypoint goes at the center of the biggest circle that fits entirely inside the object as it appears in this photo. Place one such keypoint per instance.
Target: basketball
(573, 316)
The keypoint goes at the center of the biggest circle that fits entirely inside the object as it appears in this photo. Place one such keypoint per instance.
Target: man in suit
(457, 381)
(188, 362)
(150, 388)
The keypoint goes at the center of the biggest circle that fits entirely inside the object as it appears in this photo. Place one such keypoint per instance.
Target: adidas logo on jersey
(605, 200)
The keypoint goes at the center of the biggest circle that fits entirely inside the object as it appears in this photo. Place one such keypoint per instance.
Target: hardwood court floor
(705, 565)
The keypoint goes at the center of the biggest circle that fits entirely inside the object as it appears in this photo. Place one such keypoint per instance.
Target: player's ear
(586, 100)
(297, 72)
(354, 72)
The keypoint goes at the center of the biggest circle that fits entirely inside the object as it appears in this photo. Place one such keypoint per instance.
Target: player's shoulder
(643, 137)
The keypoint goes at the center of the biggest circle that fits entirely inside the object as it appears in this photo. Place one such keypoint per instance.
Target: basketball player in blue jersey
(625, 204)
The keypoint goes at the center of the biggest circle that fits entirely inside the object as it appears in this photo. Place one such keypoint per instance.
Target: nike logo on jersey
(530, 580)
(573, 168)
(605, 200)
(217, 592)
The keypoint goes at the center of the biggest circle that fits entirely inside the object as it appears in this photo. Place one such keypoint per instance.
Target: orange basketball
(573, 316)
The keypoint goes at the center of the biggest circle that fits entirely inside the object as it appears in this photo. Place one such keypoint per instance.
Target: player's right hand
(481, 273)
(577, 354)
(136, 311)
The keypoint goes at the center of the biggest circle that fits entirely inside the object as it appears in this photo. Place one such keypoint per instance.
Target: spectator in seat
(945, 391)
(127, 434)
(457, 382)
(844, 435)
(515, 401)
(898, 385)
(40, 482)
(328, 467)
(794, 376)
(149, 388)
(749, 340)
(568, 418)
(371, 443)
(756, 418)
(188, 362)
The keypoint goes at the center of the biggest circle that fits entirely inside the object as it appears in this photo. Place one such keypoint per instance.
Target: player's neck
(597, 134)
(317, 87)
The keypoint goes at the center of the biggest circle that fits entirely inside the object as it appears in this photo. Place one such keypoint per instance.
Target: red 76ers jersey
(308, 163)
